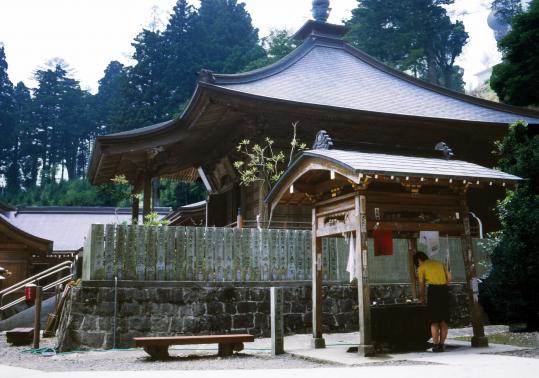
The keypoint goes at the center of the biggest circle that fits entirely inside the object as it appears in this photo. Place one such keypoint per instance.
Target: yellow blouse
(432, 272)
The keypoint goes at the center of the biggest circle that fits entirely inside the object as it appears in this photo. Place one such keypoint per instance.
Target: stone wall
(188, 308)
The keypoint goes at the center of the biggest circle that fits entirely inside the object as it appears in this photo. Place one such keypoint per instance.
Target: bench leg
(227, 349)
(157, 352)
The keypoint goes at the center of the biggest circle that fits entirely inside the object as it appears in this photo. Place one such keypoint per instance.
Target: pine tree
(413, 36)
(7, 121)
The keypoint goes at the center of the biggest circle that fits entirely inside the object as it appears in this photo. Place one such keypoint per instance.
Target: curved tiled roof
(338, 75)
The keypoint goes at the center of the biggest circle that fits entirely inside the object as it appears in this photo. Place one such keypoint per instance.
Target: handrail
(35, 278)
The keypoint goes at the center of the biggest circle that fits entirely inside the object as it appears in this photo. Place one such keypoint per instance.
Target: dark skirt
(438, 303)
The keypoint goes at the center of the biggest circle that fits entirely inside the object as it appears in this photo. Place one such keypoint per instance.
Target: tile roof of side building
(66, 226)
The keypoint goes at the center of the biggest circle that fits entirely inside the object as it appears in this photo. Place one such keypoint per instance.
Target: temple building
(324, 84)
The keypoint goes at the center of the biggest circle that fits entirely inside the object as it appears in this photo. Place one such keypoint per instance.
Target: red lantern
(30, 292)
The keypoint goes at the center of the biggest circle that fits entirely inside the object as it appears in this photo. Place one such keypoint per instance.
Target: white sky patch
(88, 34)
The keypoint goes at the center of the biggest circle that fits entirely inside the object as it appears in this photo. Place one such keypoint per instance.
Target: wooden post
(147, 204)
(239, 219)
(317, 275)
(412, 249)
(156, 195)
(365, 347)
(37, 316)
(277, 329)
(134, 207)
(478, 339)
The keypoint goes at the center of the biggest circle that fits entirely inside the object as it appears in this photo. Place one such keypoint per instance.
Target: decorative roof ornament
(321, 10)
(445, 149)
(206, 76)
(322, 141)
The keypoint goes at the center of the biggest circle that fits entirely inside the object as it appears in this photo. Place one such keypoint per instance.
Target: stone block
(177, 296)
(261, 321)
(258, 294)
(163, 295)
(192, 294)
(142, 295)
(191, 325)
(199, 309)
(229, 295)
(126, 294)
(140, 323)
(176, 325)
(297, 307)
(105, 294)
(246, 307)
(231, 308)
(104, 324)
(243, 321)
(92, 339)
(293, 322)
(160, 323)
(214, 308)
(263, 307)
(185, 310)
(89, 323)
(104, 309)
(129, 309)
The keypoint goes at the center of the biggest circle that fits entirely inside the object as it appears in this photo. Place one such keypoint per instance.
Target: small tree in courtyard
(513, 282)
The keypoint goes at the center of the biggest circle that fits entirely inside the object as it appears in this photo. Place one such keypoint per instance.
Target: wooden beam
(156, 195)
(478, 339)
(365, 348)
(317, 276)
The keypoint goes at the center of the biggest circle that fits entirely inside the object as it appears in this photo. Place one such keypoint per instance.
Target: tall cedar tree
(219, 36)
(415, 36)
(516, 79)
(7, 121)
(513, 283)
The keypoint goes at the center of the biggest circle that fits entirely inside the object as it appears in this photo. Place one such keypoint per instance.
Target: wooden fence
(228, 254)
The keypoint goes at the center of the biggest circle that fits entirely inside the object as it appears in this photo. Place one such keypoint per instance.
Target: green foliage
(516, 79)
(513, 280)
(77, 192)
(262, 162)
(154, 219)
(413, 36)
(278, 44)
(507, 9)
(175, 194)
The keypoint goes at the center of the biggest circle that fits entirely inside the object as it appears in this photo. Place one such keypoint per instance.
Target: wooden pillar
(147, 200)
(412, 249)
(156, 195)
(239, 219)
(365, 348)
(317, 276)
(134, 207)
(478, 339)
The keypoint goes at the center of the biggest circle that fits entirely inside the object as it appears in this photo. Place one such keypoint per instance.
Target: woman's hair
(419, 256)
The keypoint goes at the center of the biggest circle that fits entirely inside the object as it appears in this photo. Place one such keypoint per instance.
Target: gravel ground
(187, 358)
(137, 359)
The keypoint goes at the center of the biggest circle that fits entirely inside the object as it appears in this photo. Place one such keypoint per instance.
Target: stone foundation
(192, 309)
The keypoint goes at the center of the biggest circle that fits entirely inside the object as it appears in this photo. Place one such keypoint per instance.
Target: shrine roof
(330, 72)
(374, 163)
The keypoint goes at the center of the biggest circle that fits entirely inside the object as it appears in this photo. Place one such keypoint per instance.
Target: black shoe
(437, 348)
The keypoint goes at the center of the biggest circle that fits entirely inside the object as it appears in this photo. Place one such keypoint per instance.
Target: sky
(88, 34)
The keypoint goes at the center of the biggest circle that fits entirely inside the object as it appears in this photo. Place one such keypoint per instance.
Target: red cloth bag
(383, 243)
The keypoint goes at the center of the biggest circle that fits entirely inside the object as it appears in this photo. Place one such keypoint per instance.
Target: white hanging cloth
(431, 239)
(352, 263)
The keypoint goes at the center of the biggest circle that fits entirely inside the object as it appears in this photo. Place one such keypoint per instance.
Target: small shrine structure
(358, 193)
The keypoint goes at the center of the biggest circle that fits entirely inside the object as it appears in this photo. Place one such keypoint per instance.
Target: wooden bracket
(362, 185)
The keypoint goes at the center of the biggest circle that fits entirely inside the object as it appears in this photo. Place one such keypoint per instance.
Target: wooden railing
(230, 254)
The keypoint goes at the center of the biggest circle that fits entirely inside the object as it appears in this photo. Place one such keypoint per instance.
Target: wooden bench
(157, 347)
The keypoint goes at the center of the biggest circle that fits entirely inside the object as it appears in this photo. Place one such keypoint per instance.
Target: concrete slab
(17, 372)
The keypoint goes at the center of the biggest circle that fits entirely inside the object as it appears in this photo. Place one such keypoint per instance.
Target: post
(412, 249)
(134, 207)
(147, 203)
(317, 275)
(156, 195)
(37, 317)
(239, 219)
(277, 329)
(478, 339)
(365, 347)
